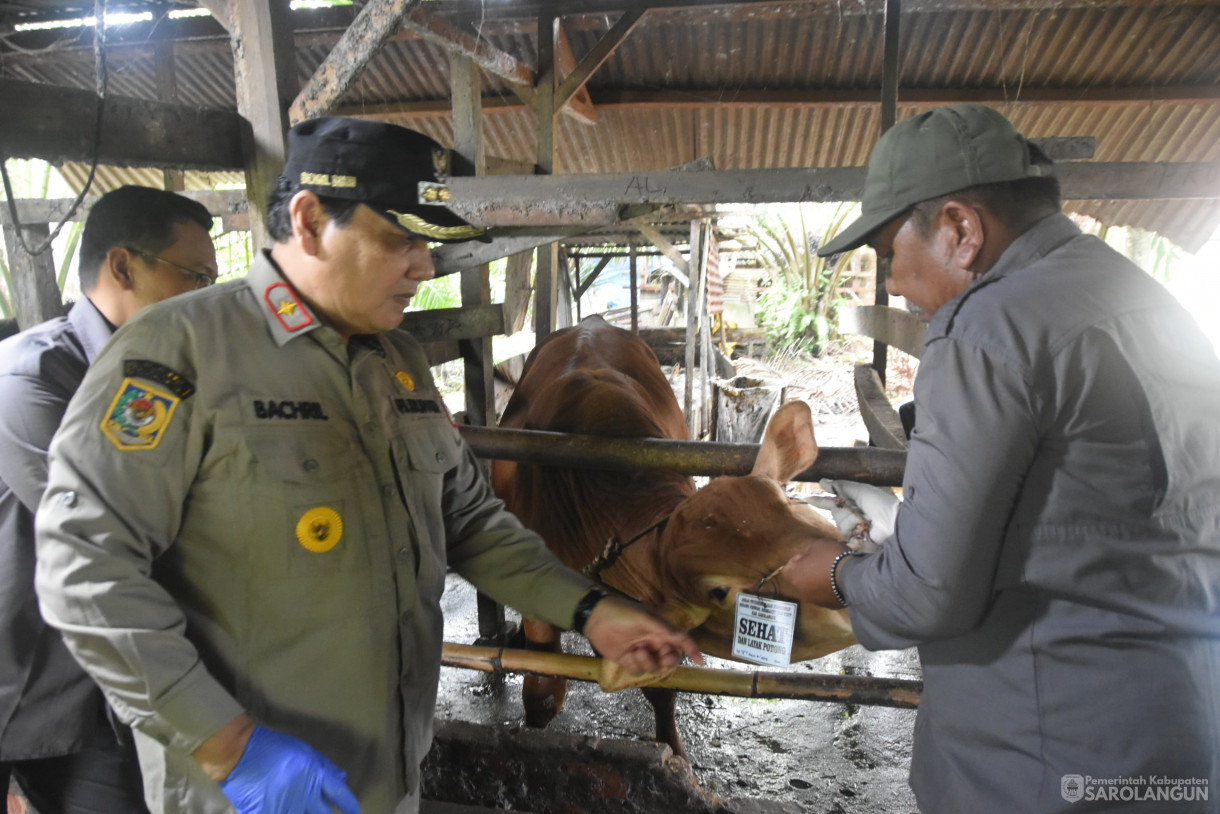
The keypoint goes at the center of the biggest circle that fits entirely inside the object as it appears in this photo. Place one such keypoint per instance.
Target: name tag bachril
(290, 410)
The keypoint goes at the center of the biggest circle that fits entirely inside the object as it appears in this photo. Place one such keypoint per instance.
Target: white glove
(865, 514)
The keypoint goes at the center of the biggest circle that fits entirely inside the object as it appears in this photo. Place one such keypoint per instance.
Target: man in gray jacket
(139, 246)
(1056, 557)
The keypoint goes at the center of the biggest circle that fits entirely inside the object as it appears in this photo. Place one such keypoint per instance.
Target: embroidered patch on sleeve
(175, 382)
(139, 415)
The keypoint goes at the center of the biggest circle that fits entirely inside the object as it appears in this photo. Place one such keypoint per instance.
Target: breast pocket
(425, 452)
(307, 504)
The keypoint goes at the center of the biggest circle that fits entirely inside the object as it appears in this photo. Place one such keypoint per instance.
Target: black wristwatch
(585, 607)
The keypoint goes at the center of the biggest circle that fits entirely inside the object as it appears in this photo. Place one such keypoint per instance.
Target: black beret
(380, 165)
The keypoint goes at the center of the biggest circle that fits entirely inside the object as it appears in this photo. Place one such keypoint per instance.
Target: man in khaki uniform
(254, 500)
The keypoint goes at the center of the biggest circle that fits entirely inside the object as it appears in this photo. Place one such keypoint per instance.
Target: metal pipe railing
(880, 467)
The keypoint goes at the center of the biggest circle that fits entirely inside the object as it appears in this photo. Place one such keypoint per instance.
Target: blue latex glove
(278, 774)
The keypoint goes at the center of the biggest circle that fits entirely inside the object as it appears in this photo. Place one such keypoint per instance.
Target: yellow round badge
(405, 379)
(320, 529)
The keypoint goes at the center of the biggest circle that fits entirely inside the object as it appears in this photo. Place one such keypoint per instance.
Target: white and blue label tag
(764, 629)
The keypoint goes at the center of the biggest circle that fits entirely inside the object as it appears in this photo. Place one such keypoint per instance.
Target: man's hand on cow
(809, 572)
(865, 514)
(627, 633)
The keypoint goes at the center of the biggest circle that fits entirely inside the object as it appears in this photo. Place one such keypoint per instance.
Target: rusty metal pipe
(880, 467)
(863, 690)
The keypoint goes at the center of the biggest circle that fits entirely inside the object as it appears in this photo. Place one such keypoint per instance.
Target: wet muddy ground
(828, 758)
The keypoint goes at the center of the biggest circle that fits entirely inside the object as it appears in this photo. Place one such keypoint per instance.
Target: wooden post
(889, 114)
(635, 289)
(36, 296)
(264, 67)
(476, 281)
(545, 276)
(693, 421)
(167, 91)
(563, 289)
(470, 159)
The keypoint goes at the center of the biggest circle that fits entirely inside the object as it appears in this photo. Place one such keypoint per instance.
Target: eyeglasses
(200, 279)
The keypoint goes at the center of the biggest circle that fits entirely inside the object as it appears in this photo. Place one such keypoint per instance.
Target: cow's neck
(635, 570)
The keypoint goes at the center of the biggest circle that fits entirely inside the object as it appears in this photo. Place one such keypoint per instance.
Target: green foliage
(6, 307)
(74, 232)
(799, 306)
(234, 252)
(1166, 257)
(443, 292)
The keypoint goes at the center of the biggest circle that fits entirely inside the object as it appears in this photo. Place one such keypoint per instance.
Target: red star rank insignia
(286, 308)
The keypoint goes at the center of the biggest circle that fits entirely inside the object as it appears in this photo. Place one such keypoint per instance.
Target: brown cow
(696, 549)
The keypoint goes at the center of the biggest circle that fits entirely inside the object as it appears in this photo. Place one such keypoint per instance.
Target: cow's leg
(663, 707)
(542, 696)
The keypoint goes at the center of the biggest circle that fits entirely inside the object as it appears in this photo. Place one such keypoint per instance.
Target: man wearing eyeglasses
(139, 246)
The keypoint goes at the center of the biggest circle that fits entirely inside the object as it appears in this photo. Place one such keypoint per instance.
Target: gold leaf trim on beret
(420, 226)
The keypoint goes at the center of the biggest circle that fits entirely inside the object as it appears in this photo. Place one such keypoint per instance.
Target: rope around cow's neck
(614, 549)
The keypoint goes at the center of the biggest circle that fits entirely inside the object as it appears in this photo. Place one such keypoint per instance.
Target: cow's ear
(788, 446)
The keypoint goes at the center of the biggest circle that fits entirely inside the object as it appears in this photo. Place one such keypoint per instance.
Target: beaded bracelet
(834, 584)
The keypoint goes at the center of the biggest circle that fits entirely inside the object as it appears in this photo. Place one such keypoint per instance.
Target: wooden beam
(542, 199)
(219, 9)
(577, 100)
(578, 75)
(167, 91)
(506, 242)
(436, 30)
(470, 159)
(880, 418)
(374, 25)
(546, 273)
(517, 290)
(451, 324)
(264, 69)
(224, 203)
(592, 276)
(57, 124)
(896, 328)
(668, 249)
(703, 11)
(1086, 180)
(817, 99)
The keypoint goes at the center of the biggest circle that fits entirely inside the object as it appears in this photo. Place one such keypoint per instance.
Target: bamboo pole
(863, 690)
(880, 467)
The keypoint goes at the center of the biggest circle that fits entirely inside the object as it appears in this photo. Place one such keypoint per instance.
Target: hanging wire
(102, 79)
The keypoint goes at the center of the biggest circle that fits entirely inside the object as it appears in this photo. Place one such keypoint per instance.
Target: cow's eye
(718, 595)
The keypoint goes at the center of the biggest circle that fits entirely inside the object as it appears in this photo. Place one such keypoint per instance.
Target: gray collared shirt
(48, 705)
(1057, 554)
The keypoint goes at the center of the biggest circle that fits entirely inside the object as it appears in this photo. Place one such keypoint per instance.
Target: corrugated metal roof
(713, 61)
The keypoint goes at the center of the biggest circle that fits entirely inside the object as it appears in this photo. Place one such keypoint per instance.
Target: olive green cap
(941, 151)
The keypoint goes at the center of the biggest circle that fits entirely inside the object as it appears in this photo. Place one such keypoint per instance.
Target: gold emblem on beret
(440, 163)
(319, 529)
(405, 379)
